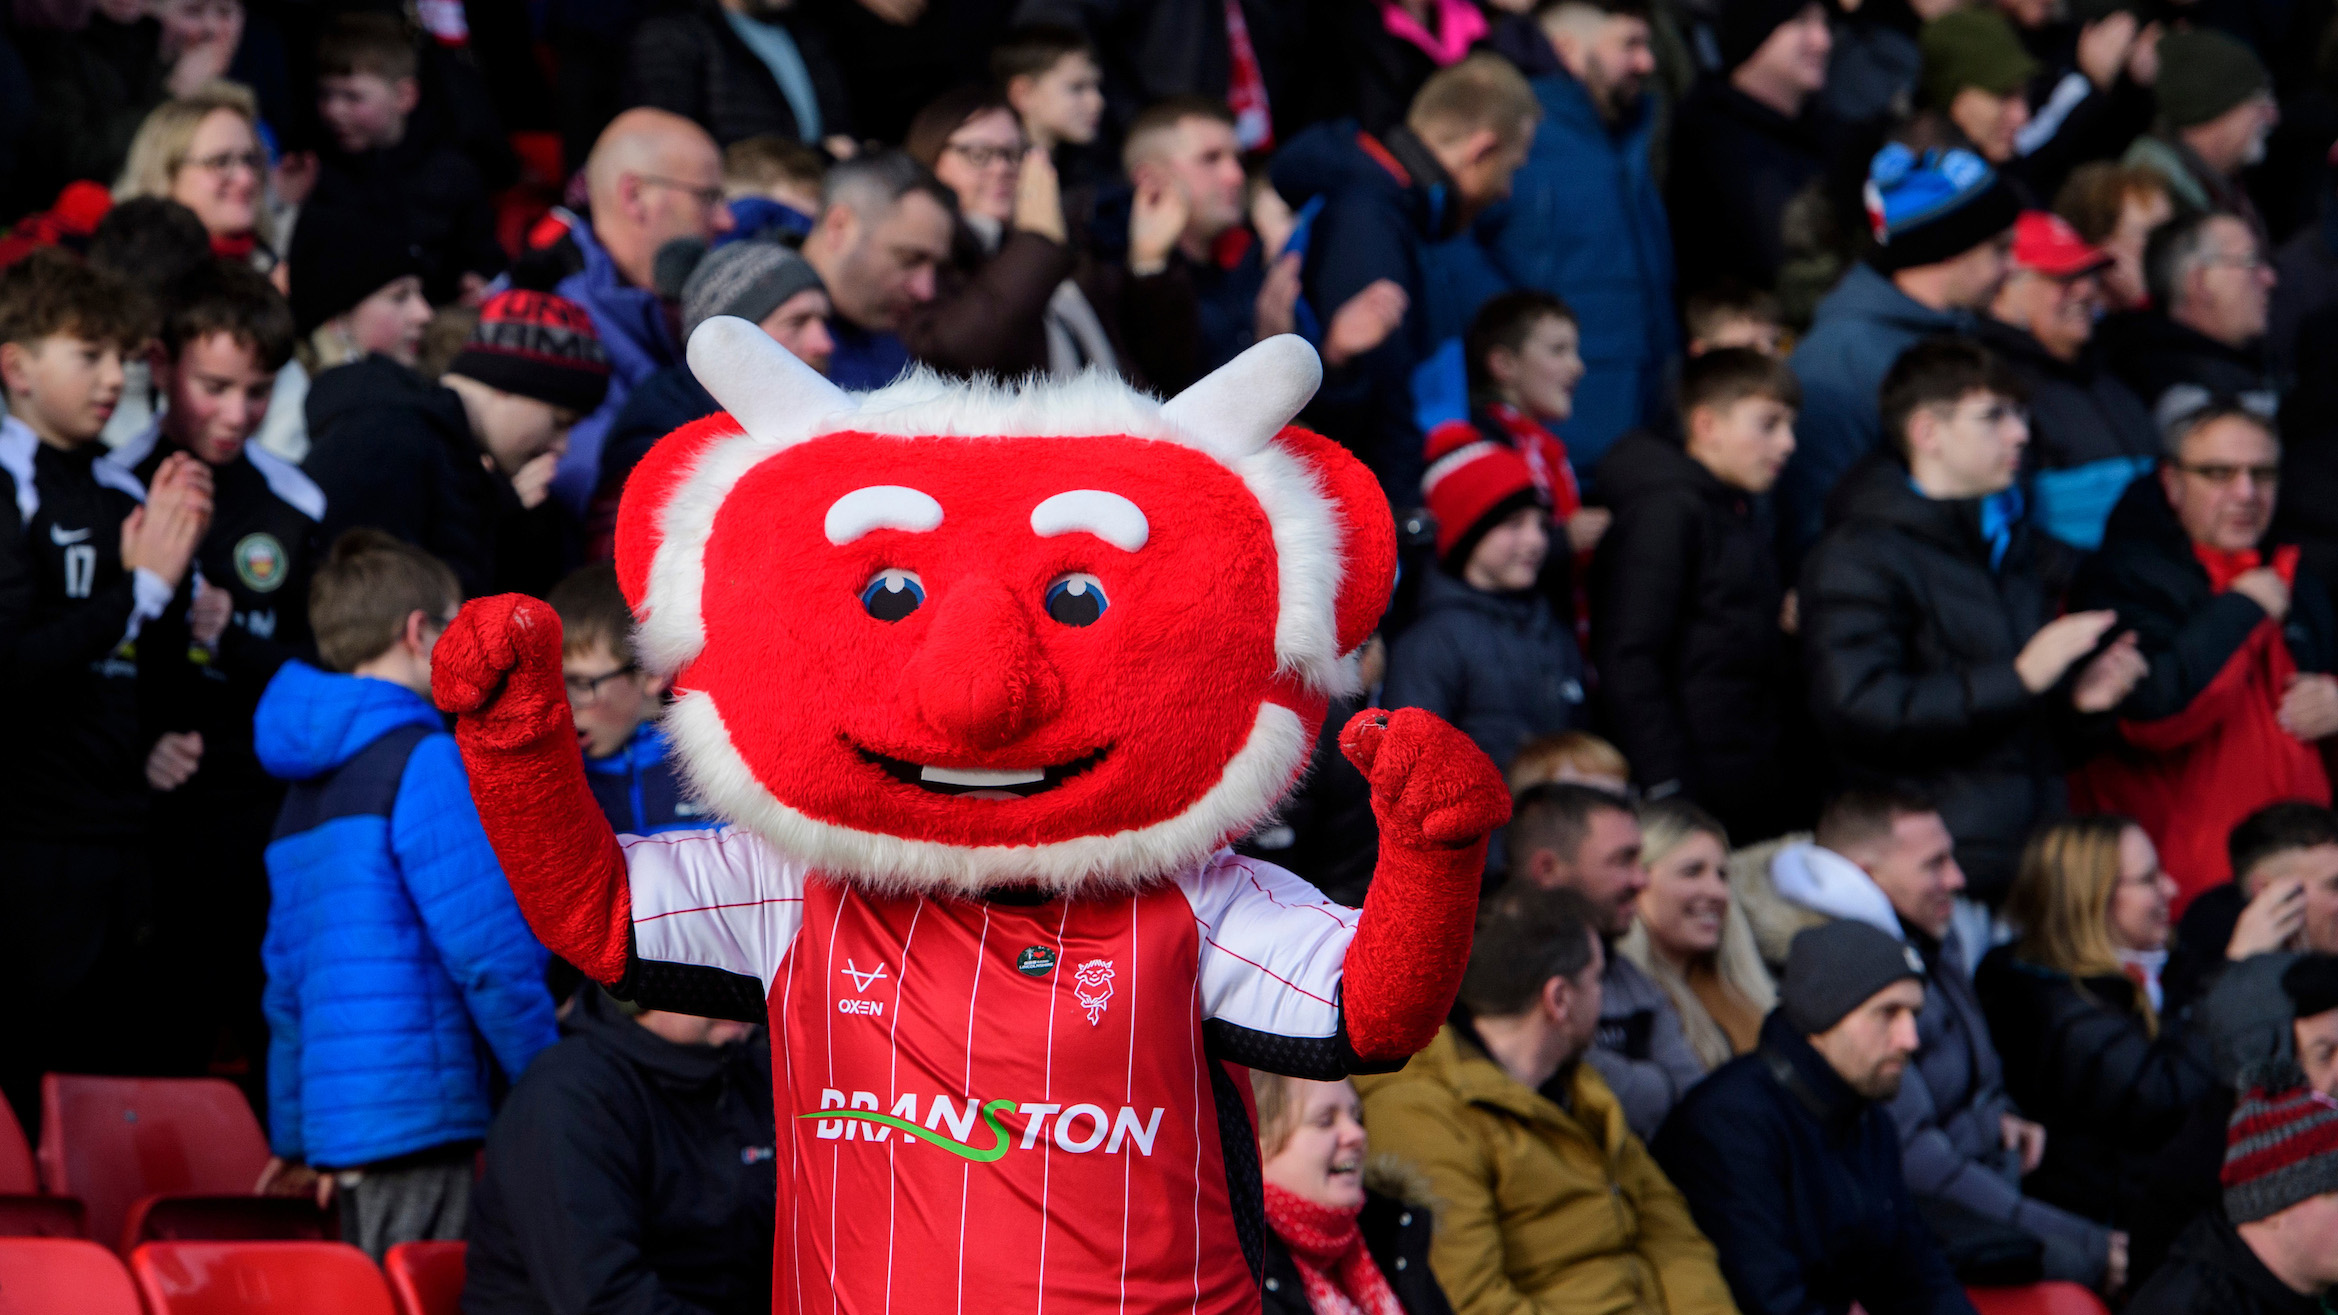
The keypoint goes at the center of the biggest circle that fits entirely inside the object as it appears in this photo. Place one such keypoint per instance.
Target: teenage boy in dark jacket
(1383, 200)
(224, 336)
(632, 1168)
(1487, 654)
(463, 468)
(1687, 607)
(1788, 1158)
(84, 570)
(1934, 657)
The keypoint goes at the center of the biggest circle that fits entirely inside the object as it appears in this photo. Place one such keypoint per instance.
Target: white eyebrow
(881, 507)
(1108, 516)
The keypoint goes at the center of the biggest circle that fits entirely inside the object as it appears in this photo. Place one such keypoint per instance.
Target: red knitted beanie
(2280, 1148)
(1472, 483)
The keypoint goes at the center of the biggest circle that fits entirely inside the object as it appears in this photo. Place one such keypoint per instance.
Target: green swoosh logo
(958, 1148)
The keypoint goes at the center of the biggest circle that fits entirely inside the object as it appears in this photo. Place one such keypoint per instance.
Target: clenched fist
(1432, 787)
(498, 669)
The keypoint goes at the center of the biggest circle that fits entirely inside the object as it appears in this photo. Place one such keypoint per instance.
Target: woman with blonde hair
(1341, 1238)
(203, 151)
(1692, 939)
(2073, 1003)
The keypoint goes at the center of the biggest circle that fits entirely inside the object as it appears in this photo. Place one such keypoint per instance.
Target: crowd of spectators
(1864, 471)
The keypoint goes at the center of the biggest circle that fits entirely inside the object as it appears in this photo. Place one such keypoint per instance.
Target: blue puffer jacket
(633, 328)
(398, 965)
(1585, 221)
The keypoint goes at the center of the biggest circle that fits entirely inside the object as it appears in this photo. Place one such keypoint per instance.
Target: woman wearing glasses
(1013, 298)
(203, 151)
(2240, 637)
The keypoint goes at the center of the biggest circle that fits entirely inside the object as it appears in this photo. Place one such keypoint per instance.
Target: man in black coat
(1748, 140)
(1790, 1161)
(2271, 1247)
(740, 68)
(2212, 290)
(1935, 660)
(1686, 615)
(2089, 433)
(633, 1168)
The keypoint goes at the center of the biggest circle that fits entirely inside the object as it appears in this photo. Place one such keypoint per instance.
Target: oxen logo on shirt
(1093, 987)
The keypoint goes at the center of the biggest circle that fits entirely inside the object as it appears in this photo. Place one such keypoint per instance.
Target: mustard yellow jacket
(1541, 1211)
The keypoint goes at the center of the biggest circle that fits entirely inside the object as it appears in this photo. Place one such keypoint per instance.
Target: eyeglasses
(2247, 260)
(984, 157)
(584, 691)
(2220, 474)
(226, 160)
(709, 197)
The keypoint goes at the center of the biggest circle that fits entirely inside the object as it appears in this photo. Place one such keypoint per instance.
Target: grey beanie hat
(1832, 970)
(748, 279)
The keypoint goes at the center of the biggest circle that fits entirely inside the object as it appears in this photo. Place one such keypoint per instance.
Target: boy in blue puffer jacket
(400, 973)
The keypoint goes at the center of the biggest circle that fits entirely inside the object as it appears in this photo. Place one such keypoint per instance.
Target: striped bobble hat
(2280, 1148)
(1472, 483)
(539, 345)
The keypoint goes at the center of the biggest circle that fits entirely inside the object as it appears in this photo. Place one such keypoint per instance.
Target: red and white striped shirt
(995, 1106)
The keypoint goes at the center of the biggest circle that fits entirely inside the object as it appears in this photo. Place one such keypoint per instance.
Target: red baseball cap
(2043, 241)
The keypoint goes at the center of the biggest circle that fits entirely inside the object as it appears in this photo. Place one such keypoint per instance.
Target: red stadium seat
(62, 1276)
(18, 1177)
(426, 1278)
(258, 1278)
(224, 1219)
(115, 1141)
(2037, 1299)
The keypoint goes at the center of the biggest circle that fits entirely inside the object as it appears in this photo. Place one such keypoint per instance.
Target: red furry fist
(1432, 787)
(498, 669)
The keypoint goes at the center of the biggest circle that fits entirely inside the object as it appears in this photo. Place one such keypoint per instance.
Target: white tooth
(961, 776)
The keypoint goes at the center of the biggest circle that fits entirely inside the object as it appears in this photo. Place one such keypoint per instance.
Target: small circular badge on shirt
(1035, 961)
(260, 563)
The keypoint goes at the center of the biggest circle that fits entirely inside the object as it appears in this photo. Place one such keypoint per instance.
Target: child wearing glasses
(616, 705)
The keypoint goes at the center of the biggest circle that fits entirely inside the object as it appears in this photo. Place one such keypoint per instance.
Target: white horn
(762, 384)
(1244, 403)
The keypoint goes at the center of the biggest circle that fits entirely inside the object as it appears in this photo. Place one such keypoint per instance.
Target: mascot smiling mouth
(981, 783)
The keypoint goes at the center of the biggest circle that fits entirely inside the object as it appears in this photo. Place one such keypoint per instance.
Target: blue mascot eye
(892, 595)
(1076, 600)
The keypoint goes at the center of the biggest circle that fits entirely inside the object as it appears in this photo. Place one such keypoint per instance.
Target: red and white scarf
(1328, 1248)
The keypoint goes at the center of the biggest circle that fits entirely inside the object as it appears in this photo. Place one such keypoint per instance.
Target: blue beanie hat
(1924, 209)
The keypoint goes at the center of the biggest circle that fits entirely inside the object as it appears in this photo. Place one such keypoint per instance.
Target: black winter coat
(686, 58)
(1736, 163)
(394, 451)
(1684, 614)
(2211, 1271)
(442, 197)
(2079, 1060)
(2156, 355)
(1910, 637)
(628, 1173)
(1396, 1233)
(1499, 666)
(1796, 1180)
(2079, 410)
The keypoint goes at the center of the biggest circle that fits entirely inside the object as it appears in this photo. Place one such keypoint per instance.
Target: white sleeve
(1271, 948)
(719, 898)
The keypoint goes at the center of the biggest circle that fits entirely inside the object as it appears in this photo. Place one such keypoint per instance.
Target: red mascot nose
(980, 678)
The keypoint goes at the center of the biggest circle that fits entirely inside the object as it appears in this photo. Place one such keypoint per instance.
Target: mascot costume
(984, 679)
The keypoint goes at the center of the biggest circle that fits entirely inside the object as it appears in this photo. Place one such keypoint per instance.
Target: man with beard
(1788, 1156)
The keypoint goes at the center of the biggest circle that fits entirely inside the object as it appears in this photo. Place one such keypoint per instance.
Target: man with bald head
(653, 177)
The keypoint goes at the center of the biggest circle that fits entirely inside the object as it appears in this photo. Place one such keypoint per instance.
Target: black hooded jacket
(1910, 638)
(627, 1173)
(2079, 410)
(1499, 666)
(1684, 613)
(394, 451)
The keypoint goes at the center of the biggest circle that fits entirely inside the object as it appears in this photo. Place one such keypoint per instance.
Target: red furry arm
(1437, 797)
(498, 669)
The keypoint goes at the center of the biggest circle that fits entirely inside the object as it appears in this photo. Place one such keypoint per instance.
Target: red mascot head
(951, 637)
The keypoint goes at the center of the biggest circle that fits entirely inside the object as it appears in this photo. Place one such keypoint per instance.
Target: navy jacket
(398, 966)
(1383, 200)
(637, 789)
(1499, 666)
(1796, 1179)
(1585, 221)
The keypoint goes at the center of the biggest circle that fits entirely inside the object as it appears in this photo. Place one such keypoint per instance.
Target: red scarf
(1328, 1248)
(1254, 128)
(1546, 458)
(2224, 567)
(234, 246)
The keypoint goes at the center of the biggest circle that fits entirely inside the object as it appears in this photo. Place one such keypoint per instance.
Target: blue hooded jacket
(398, 964)
(1585, 222)
(632, 325)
